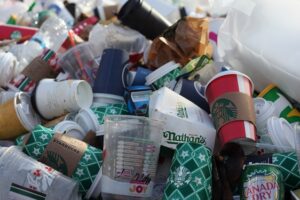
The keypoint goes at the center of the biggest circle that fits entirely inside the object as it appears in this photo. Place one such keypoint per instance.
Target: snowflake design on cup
(181, 176)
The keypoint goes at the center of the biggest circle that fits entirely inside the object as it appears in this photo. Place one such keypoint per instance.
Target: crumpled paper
(185, 40)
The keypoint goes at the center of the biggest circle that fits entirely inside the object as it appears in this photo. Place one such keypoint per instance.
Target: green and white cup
(86, 170)
(164, 76)
(190, 175)
(93, 119)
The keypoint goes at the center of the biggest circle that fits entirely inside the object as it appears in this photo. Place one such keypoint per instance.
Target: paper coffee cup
(190, 174)
(17, 117)
(164, 76)
(229, 94)
(84, 171)
(53, 99)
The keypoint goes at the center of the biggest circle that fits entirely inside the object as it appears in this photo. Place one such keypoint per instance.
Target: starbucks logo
(223, 110)
(57, 162)
(181, 177)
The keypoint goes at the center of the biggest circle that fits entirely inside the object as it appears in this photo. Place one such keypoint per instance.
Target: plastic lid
(264, 109)
(276, 128)
(87, 120)
(160, 72)
(70, 128)
(95, 188)
(229, 72)
(27, 116)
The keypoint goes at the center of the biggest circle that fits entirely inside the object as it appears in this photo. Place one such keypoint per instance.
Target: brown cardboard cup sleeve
(39, 69)
(231, 107)
(63, 153)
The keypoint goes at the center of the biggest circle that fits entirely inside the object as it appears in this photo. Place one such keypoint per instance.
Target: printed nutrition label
(135, 159)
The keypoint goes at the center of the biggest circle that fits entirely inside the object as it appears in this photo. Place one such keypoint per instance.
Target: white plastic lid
(27, 116)
(130, 77)
(71, 129)
(264, 109)
(103, 99)
(278, 131)
(87, 120)
(160, 72)
(95, 188)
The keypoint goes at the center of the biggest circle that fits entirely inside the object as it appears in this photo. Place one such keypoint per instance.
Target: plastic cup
(131, 149)
(190, 175)
(80, 63)
(53, 99)
(139, 15)
(17, 116)
(281, 134)
(71, 129)
(232, 82)
(24, 178)
(164, 76)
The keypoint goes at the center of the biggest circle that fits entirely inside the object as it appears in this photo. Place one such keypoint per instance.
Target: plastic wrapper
(186, 39)
(259, 40)
(119, 37)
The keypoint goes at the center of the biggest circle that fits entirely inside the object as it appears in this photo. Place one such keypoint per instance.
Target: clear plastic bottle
(61, 11)
(51, 35)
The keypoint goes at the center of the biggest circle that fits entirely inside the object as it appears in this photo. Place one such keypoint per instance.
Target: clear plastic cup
(131, 146)
(80, 62)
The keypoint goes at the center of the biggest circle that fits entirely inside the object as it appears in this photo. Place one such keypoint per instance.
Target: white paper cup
(71, 129)
(54, 99)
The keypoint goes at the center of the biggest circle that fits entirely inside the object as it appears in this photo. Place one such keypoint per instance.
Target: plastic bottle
(51, 34)
(59, 8)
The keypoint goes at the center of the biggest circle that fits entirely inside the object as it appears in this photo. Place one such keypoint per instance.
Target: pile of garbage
(162, 100)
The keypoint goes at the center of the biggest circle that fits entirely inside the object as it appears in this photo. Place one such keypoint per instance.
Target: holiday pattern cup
(229, 95)
(190, 175)
(112, 109)
(86, 169)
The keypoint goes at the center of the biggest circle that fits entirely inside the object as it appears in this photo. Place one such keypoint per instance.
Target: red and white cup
(229, 82)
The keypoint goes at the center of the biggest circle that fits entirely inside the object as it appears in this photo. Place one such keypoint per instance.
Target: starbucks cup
(101, 99)
(67, 155)
(264, 110)
(190, 175)
(164, 76)
(53, 99)
(229, 95)
(71, 129)
(131, 146)
(17, 116)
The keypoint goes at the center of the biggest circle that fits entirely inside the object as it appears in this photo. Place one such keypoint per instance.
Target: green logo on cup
(181, 177)
(223, 110)
(57, 162)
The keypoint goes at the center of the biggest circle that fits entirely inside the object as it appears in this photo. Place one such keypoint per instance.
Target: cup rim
(153, 122)
(161, 71)
(226, 73)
